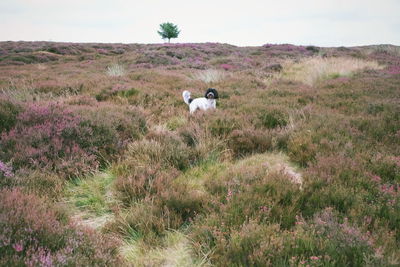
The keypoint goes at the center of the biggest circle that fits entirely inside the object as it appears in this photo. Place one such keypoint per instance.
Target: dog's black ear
(213, 91)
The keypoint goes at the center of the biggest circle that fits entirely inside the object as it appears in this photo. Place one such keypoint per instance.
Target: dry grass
(263, 164)
(312, 70)
(384, 48)
(209, 76)
(175, 251)
(116, 70)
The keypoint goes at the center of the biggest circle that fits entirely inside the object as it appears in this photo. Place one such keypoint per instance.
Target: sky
(242, 23)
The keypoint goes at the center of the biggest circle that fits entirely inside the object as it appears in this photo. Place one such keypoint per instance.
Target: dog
(202, 103)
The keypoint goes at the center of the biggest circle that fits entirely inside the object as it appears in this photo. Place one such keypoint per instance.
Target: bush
(9, 111)
(46, 137)
(327, 240)
(223, 126)
(247, 205)
(32, 234)
(39, 182)
(386, 167)
(184, 202)
(143, 220)
(69, 141)
(149, 165)
(322, 241)
(301, 149)
(111, 128)
(272, 119)
(248, 141)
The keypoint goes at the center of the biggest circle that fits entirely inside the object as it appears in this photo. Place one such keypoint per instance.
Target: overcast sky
(241, 23)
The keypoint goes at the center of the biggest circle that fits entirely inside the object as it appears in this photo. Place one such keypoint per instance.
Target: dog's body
(202, 103)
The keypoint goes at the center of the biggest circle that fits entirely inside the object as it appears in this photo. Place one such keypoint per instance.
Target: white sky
(242, 23)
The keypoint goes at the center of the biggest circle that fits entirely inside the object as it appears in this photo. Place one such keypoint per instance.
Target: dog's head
(211, 93)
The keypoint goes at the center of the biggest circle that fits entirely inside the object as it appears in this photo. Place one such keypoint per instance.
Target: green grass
(92, 194)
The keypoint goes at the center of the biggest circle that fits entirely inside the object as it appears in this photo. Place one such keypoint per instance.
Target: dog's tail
(186, 97)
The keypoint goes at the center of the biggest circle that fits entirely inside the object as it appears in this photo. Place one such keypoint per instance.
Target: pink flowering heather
(49, 136)
(229, 195)
(32, 234)
(390, 189)
(5, 170)
(264, 209)
(227, 66)
(376, 178)
(393, 69)
(18, 247)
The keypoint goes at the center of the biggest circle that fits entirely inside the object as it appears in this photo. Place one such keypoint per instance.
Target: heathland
(101, 164)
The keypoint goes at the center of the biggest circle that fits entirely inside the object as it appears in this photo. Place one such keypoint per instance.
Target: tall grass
(175, 250)
(209, 76)
(116, 70)
(312, 70)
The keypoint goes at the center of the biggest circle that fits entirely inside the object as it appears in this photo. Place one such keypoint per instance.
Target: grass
(175, 250)
(116, 70)
(312, 70)
(209, 76)
(92, 196)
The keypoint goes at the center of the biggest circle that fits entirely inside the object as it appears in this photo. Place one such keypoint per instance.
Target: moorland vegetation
(101, 164)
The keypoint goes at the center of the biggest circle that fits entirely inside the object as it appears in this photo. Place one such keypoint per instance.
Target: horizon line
(222, 43)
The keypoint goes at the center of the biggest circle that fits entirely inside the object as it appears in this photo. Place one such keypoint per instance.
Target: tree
(168, 31)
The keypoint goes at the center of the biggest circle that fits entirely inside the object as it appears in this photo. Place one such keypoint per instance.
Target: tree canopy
(168, 30)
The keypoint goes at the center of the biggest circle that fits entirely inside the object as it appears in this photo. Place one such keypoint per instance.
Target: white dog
(202, 103)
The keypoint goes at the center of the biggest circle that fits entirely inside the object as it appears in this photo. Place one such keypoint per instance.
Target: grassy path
(92, 199)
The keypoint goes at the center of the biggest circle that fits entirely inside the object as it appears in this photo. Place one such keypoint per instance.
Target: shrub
(174, 152)
(175, 123)
(248, 201)
(9, 111)
(272, 119)
(222, 126)
(386, 167)
(343, 243)
(143, 220)
(47, 137)
(39, 182)
(323, 241)
(112, 127)
(33, 234)
(117, 90)
(248, 141)
(143, 181)
(69, 141)
(301, 149)
(5, 170)
(183, 201)
(149, 165)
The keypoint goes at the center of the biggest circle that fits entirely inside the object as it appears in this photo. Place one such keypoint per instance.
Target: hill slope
(298, 165)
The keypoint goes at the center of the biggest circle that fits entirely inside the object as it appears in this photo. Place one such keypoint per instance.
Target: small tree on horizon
(168, 30)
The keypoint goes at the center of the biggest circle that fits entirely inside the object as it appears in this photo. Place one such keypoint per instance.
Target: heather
(34, 234)
(54, 137)
(299, 165)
